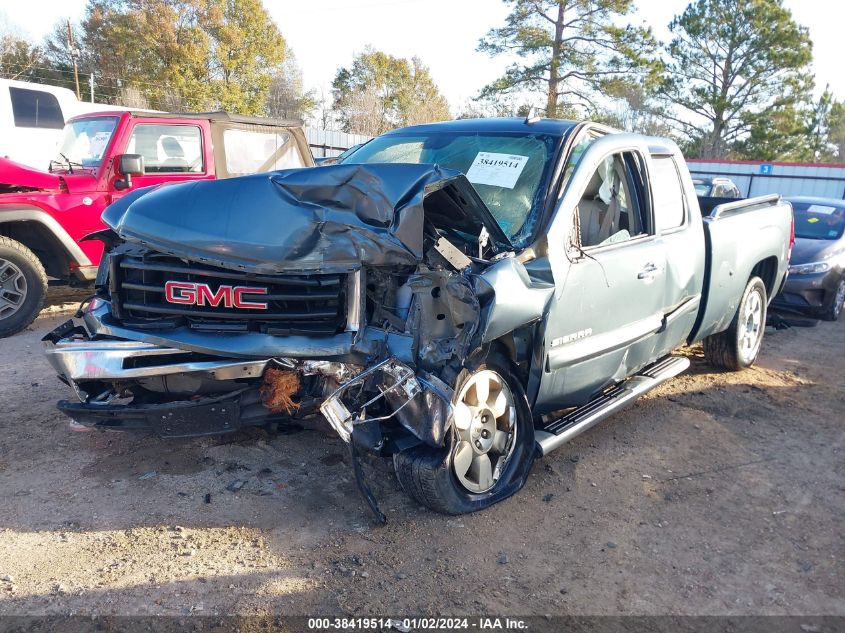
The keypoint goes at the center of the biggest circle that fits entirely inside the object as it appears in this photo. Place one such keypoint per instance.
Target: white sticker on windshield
(821, 209)
(98, 144)
(499, 170)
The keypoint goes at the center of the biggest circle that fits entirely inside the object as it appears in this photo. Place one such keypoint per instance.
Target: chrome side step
(560, 431)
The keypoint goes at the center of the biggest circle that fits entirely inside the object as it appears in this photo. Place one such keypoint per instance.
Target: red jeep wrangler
(45, 214)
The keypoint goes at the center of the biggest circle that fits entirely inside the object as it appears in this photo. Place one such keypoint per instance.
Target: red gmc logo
(187, 293)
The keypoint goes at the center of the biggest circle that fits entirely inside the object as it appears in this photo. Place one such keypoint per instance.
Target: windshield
(701, 188)
(83, 143)
(818, 221)
(509, 171)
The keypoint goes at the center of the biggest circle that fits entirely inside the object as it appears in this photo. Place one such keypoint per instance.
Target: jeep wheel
(490, 451)
(23, 286)
(738, 347)
(833, 305)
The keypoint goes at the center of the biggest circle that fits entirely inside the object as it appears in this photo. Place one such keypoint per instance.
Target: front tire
(23, 286)
(738, 347)
(833, 306)
(490, 452)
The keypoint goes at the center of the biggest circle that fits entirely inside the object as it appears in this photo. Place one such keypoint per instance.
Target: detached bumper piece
(422, 404)
(191, 418)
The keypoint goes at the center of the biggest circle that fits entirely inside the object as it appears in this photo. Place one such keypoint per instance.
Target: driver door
(173, 152)
(609, 276)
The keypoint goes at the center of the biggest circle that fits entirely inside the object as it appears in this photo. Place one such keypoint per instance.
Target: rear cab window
(36, 109)
(668, 201)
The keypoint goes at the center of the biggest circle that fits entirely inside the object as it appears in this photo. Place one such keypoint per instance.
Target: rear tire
(23, 286)
(832, 307)
(737, 347)
(433, 477)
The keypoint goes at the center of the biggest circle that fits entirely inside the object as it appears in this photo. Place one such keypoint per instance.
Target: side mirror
(128, 165)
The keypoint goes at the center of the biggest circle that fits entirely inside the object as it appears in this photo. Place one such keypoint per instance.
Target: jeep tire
(23, 286)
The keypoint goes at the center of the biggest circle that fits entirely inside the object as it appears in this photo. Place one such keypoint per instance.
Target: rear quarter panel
(736, 243)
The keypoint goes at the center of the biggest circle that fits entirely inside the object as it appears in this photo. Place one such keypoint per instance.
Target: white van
(32, 117)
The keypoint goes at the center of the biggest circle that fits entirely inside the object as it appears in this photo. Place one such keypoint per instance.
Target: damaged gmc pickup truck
(461, 296)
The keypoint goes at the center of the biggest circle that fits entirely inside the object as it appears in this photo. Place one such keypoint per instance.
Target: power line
(100, 77)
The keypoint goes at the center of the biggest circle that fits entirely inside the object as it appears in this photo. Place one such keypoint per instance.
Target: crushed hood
(18, 175)
(323, 218)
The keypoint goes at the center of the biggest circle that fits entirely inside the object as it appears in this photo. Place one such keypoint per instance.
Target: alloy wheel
(12, 288)
(839, 299)
(485, 420)
(752, 324)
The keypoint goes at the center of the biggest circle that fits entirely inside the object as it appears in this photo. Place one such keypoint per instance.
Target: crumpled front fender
(510, 298)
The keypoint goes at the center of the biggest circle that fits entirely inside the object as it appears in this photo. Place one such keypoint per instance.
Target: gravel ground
(717, 494)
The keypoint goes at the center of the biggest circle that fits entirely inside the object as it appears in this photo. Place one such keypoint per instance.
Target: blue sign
(766, 169)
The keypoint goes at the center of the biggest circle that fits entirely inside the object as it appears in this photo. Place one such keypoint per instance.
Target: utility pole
(91, 83)
(74, 55)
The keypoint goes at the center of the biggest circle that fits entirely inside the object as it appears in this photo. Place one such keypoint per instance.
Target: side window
(669, 204)
(258, 150)
(733, 192)
(610, 209)
(36, 108)
(168, 149)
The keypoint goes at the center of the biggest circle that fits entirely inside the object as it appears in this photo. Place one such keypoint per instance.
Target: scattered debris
(236, 485)
(148, 475)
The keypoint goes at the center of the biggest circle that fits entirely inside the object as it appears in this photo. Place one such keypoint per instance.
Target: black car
(816, 283)
(335, 160)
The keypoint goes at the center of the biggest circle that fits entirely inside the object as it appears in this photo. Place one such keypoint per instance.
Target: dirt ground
(718, 494)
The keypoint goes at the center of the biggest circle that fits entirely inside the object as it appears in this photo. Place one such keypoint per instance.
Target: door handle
(648, 272)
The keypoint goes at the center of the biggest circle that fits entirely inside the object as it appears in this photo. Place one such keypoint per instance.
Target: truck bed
(743, 237)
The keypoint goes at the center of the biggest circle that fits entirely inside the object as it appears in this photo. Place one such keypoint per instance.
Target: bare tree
(286, 98)
(131, 97)
(364, 113)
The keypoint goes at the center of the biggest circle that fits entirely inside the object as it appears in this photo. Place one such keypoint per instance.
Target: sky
(326, 34)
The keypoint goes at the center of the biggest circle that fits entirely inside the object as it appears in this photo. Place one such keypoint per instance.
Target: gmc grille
(311, 305)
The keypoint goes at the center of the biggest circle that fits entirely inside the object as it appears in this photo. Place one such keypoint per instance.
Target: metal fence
(329, 143)
(788, 179)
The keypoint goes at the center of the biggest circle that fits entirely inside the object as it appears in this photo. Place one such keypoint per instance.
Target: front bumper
(807, 292)
(79, 359)
(93, 368)
(190, 418)
(127, 380)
